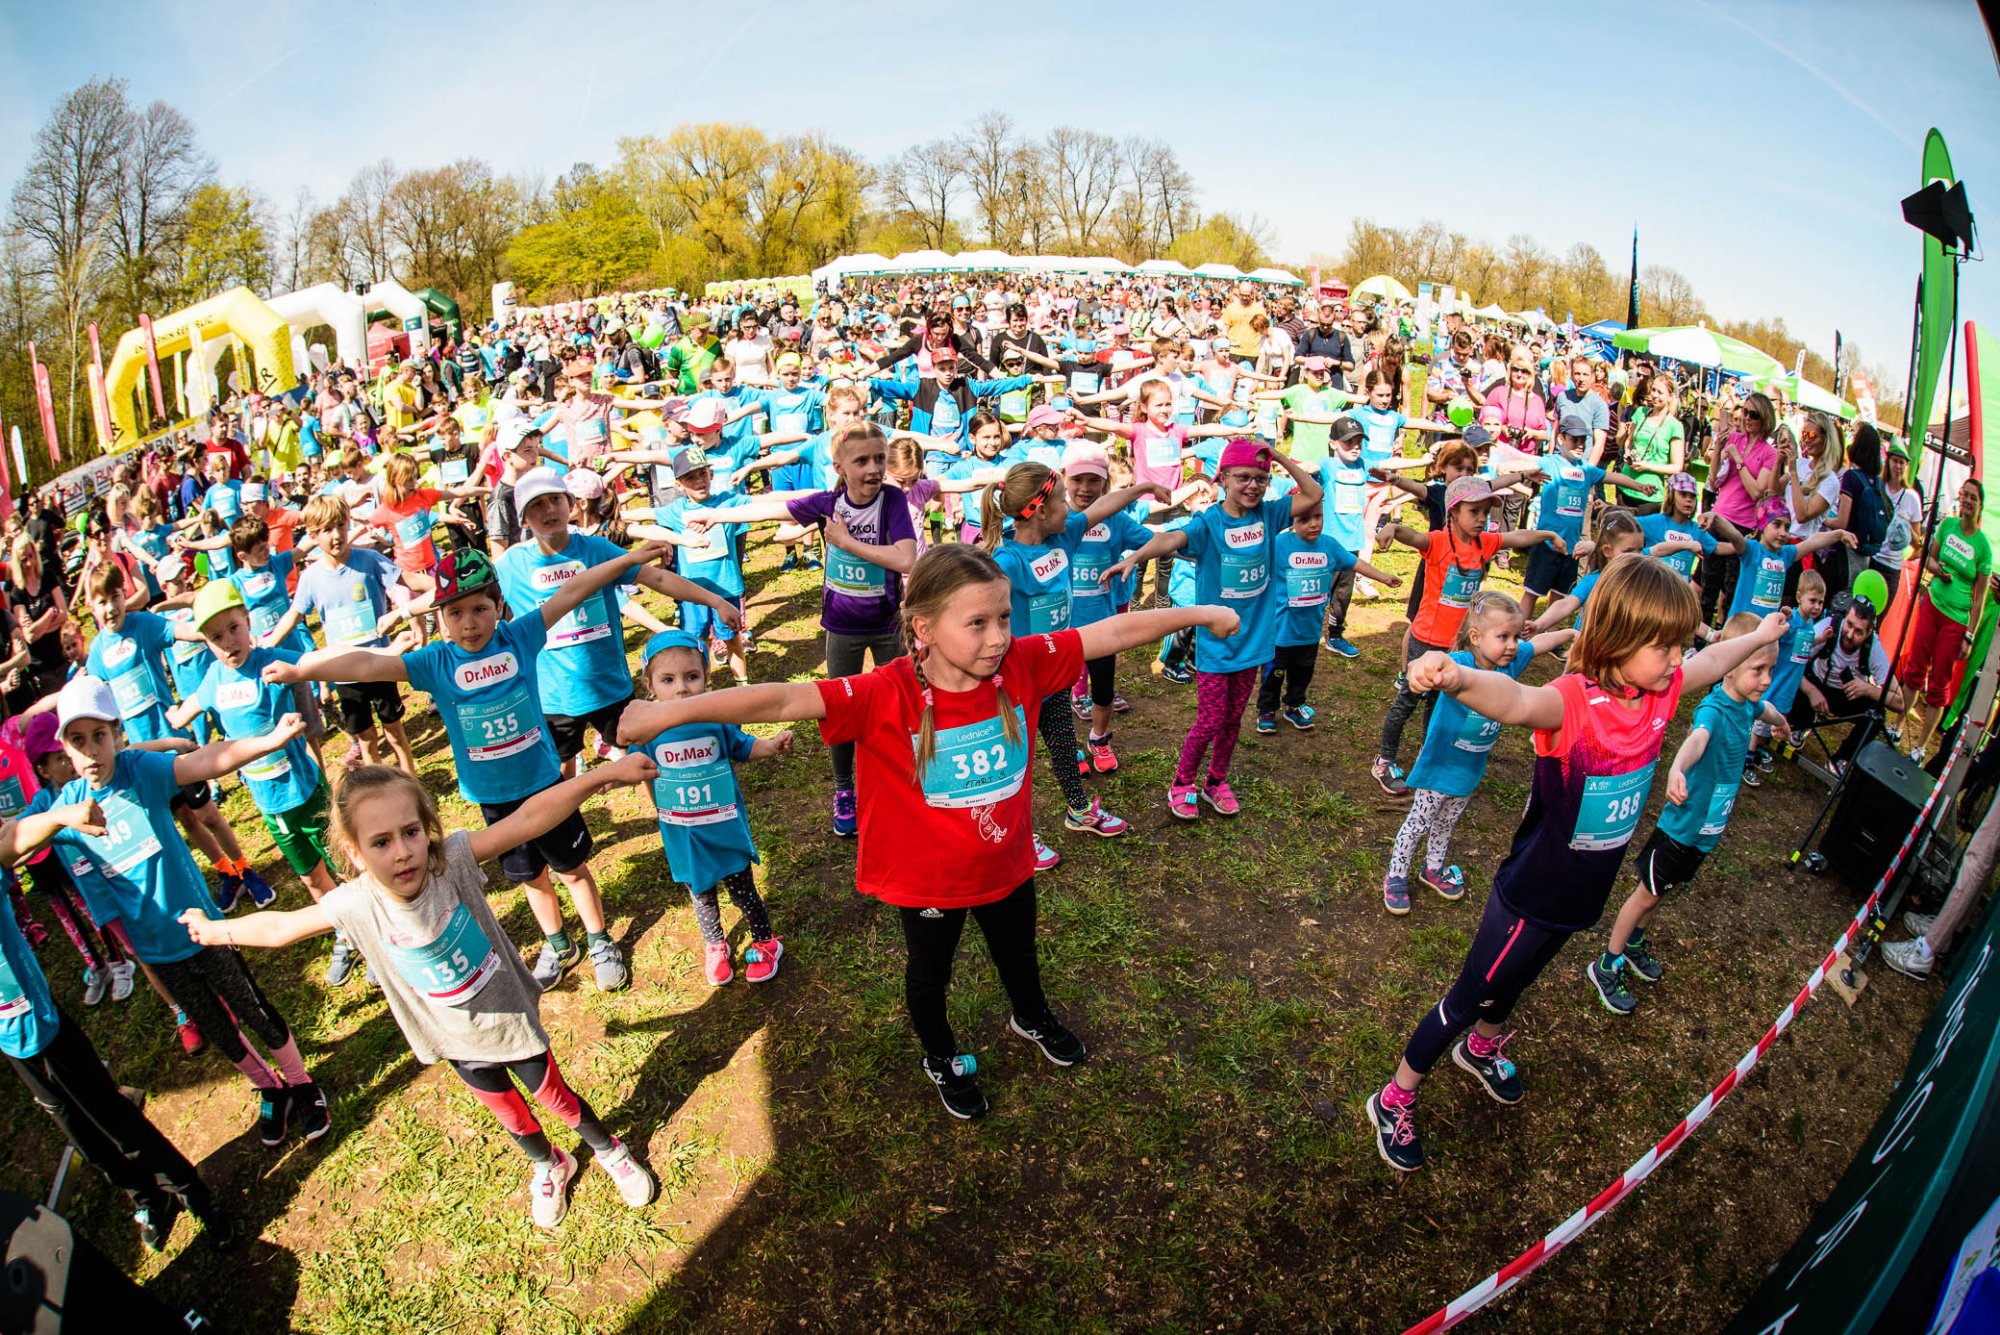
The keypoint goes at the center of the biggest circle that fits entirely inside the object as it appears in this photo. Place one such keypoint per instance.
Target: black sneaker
(1610, 985)
(1764, 760)
(1058, 1044)
(1390, 777)
(1499, 1076)
(1752, 777)
(156, 1223)
(309, 1106)
(955, 1085)
(1639, 962)
(216, 1226)
(273, 1112)
(1396, 1138)
(1180, 676)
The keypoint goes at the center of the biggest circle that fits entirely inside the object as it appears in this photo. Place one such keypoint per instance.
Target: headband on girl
(1039, 499)
(665, 640)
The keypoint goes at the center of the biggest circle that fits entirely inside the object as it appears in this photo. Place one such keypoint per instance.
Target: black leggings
(1103, 677)
(1058, 731)
(1406, 702)
(844, 657)
(216, 990)
(1290, 671)
(1009, 927)
(743, 893)
(70, 1082)
(1718, 582)
(1507, 954)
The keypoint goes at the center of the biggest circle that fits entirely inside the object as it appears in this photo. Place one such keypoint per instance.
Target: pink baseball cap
(1086, 456)
(1043, 415)
(1242, 453)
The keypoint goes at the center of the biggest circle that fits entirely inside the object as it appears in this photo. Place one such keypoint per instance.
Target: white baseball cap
(84, 696)
(536, 483)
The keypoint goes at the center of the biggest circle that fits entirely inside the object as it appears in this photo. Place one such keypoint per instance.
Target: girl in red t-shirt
(1454, 566)
(1598, 730)
(944, 743)
(406, 511)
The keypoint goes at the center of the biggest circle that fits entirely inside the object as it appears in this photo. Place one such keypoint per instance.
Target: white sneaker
(94, 983)
(635, 1184)
(1908, 958)
(548, 1190)
(1917, 756)
(1366, 589)
(121, 979)
(1918, 924)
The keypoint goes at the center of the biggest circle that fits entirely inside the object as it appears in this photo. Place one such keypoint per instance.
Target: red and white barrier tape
(1571, 1228)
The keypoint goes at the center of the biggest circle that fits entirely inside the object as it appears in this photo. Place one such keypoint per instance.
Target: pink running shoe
(1216, 793)
(760, 962)
(716, 966)
(1094, 819)
(1181, 801)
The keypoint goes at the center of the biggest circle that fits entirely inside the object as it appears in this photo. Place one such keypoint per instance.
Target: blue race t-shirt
(226, 499)
(1379, 432)
(132, 662)
(713, 566)
(1346, 490)
(1234, 568)
(1566, 495)
(1308, 570)
(1656, 527)
(139, 870)
(1101, 546)
(349, 599)
(490, 702)
(703, 824)
(1039, 576)
(266, 599)
(249, 707)
(28, 1018)
(583, 668)
(1713, 780)
(1458, 742)
(1795, 650)
(1760, 579)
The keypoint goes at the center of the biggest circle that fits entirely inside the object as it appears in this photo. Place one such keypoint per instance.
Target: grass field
(1230, 978)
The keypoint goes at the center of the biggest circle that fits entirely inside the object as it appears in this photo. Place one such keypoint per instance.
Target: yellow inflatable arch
(259, 330)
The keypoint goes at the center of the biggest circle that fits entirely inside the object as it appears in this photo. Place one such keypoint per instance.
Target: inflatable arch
(259, 332)
(409, 310)
(328, 304)
(443, 307)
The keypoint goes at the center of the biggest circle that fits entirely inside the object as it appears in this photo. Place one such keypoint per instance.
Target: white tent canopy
(1276, 275)
(1173, 268)
(1494, 312)
(1217, 269)
(998, 261)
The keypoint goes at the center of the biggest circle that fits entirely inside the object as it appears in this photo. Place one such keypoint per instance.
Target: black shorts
(362, 702)
(1665, 863)
(1549, 571)
(191, 797)
(562, 850)
(566, 730)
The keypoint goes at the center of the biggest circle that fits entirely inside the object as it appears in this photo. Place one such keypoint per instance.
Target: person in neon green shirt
(1960, 564)
(1311, 405)
(687, 361)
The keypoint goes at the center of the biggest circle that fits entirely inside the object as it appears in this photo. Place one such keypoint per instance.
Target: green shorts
(301, 832)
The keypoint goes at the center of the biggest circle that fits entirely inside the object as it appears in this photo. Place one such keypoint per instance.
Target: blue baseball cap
(665, 640)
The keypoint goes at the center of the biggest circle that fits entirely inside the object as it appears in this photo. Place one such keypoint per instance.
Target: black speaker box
(1880, 802)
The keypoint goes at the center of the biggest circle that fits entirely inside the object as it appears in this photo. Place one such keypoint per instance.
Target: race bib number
(697, 785)
(1477, 734)
(976, 764)
(14, 999)
(454, 471)
(268, 770)
(1084, 382)
(352, 623)
(12, 798)
(1350, 491)
(128, 837)
(1306, 580)
(1571, 493)
(1720, 804)
(1048, 612)
(414, 529)
(1610, 809)
(789, 423)
(1014, 405)
(1461, 585)
(498, 729)
(849, 574)
(1246, 566)
(1769, 590)
(1162, 451)
(133, 690)
(454, 968)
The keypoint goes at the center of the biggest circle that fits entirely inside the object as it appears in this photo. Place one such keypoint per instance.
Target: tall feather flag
(1632, 288)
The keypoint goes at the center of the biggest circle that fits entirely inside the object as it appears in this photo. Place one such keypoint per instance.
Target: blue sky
(1764, 152)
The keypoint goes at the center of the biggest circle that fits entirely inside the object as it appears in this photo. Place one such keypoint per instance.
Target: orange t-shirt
(1453, 572)
(410, 522)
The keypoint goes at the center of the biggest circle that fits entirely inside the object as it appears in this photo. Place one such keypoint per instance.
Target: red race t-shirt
(1453, 573)
(964, 836)
(410, 522)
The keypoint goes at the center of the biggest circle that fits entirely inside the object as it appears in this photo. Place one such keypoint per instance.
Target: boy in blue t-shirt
(1345, 478)
(1566, 497)
(1701, 794)
(1760, 577)
(709, 560)
(1795, 650)
(484, 680)
(1310, 563)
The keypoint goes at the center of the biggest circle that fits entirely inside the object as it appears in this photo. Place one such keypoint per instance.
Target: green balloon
(1869, 584)
(1461, 412)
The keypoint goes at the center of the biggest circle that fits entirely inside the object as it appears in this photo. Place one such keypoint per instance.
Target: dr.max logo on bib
(487, 672)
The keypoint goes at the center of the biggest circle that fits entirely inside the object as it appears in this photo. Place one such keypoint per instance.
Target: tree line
(119, 210)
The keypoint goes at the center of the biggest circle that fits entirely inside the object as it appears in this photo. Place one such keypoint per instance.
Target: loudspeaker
(53, 1281)
(1879, 803)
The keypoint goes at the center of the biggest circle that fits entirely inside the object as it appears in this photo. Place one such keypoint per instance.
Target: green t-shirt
(1652, 443)
(687, 362)
(1310, 440)
(1967, 558)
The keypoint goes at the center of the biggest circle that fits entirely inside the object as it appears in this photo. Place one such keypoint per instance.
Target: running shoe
(309, 1106)
(1301, 717)
(636, 1186)
(95, 983)
(846, 820)
(1390, 777)
(191, 1039)
(1919, 924)
(1338, 644)
(1396, 1137)
(1908, 958)
(261, 893)
(229, 895)
(810, 561)
(1102, 758)
(1057, 1043)
(548, 1190)
(790, 563)
(1267, 724)
(121, 979)
(715, 964)
(273, 1109)
(1396, 894)
(1366, 589)
(1079, 704)
(1046, 858)
(550, 966)
(1610, 985)
(1765, 760)
(1119, 704)
(1495, 1073)
(1450, 882)
(760, 961)
(1180, 676)
(1752, 776)
(1917, 756)
(608, 964)
(1639, 962)
(156, 1223)
(1082, 762)
(955, 1085)
(1217, 794)
(1094, 819)
(1181, 801)
(340, 966)
(35, 934)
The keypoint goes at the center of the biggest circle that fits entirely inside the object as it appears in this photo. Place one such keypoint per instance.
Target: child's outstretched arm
(226, 757)
(769, 702)
(685, 590)
(19, 838)
(1160, 544)
(1728, 538)
(1399, 482)
(1309, 492)
(1721, 657)
(1774, 718)
(1827, 537)
(265, 930)
(600, 577)
(1529, 537)
(1111, 502)
(1557, 612)
(1494, 694)
(777, 744)
(547, 809)
(1129, 629)
(1548, 642)
(1685, 759)
(337, 665)
(1380, 576)
(1391, 530)
(899, 556)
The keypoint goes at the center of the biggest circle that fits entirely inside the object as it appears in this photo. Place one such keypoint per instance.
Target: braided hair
(938, 574)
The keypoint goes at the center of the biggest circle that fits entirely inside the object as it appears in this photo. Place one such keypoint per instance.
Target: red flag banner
(46, 401)
(100, 403)
(153, 366)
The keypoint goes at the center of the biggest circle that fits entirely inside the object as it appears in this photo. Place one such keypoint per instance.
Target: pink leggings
(1219, 701)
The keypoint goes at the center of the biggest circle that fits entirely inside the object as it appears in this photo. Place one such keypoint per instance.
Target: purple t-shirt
(860, 597)
(1732, 499)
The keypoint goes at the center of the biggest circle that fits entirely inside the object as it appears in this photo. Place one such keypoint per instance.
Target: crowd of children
(980, 554)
